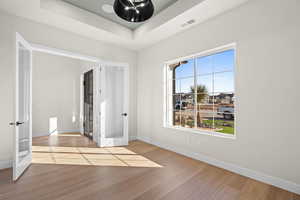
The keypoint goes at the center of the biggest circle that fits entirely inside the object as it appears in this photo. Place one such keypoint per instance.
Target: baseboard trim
(275, 181)
(69, 131)
(40, 134)
(4, 164)
(132, 137)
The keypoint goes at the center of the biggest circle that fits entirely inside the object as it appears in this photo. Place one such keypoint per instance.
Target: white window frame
(167, 92)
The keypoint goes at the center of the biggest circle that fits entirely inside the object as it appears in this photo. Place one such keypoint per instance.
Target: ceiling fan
(134, 10)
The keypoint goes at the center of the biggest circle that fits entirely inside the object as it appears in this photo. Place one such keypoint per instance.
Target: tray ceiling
(95, 6)
(171, 18)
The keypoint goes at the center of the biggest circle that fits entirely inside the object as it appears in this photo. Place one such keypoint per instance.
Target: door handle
(19, 123)
(16, 123)
(124, 114)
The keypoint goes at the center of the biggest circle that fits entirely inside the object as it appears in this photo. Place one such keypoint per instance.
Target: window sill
(201, 132)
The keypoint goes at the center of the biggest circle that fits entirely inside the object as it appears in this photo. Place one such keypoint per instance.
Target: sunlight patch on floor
(112, 156)
(64, 149)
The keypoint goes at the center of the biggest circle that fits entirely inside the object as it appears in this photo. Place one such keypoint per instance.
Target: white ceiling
(167, 22)
(95, 6)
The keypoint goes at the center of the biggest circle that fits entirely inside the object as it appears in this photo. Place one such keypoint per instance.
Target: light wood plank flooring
(70, 167)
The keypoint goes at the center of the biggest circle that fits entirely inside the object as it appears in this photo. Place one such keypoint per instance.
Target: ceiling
(95, 6)
(172, 17)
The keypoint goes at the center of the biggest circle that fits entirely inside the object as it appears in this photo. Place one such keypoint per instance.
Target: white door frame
(121, 141)
(97, 68)
(19, 168)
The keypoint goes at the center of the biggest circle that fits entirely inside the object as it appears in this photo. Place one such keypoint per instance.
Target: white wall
(55, 94)
(52, 37)
(267, 36)
(267, 33)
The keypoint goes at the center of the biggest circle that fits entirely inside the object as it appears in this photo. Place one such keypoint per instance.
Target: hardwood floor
(70, 166)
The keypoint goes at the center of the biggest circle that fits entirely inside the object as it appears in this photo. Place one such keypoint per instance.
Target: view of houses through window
(201, 93)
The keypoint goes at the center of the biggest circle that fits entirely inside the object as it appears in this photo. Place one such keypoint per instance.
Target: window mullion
(195, 95)
(180, 104)
(213, 90)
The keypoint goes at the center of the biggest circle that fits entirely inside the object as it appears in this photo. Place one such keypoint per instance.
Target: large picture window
(200, 92)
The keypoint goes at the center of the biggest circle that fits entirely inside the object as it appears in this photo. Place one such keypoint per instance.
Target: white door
(23, 123)
(114, 106)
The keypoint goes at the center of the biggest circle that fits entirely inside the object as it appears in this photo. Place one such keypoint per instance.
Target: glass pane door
(23, 119)
(114, 102)
(114, 132)
(88, 104)
(24, 99)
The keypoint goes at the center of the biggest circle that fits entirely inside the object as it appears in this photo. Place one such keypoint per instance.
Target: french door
(88, 104)
(114, 106)
(23, 115)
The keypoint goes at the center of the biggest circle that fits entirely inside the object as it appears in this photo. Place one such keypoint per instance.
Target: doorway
(105, 102)
(88, 104)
